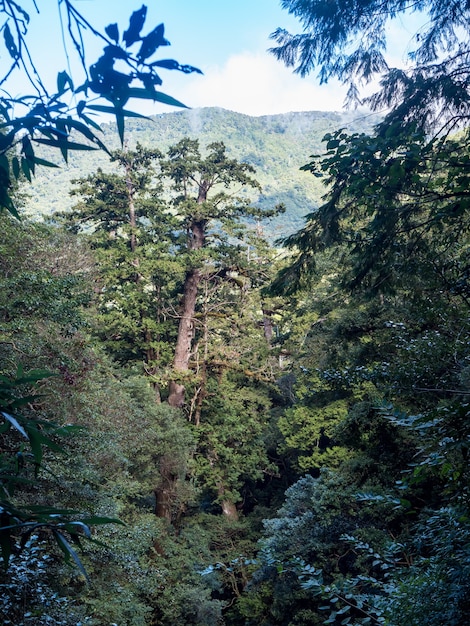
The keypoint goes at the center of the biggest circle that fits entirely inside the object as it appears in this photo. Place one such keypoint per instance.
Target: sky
(226, 39)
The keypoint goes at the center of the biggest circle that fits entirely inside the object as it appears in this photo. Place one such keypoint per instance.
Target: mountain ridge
(275, 145)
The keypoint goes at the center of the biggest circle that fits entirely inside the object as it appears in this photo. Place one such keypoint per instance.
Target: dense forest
(202, 424)
(275, 145)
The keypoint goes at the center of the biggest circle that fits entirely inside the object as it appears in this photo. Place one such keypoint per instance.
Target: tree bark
(186, 325)
(185, 336)
(229, 510)
(228, 507)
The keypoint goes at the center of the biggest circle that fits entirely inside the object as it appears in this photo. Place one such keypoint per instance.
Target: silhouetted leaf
(86, 132)
(65, 146)
(114, 52)
(136, 23)
(43, 162)
(157, 96)
(149, 79)
(63, 79)
(69, 552)
(112, 31)
(10, 42)
(151, 42)
(15, 163)
(171, 64)
(120, 125)
(26, 169)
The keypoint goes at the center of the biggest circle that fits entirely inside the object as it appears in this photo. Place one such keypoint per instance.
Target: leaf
(28, 150)
(112, 111)
(10, 42)
(71, 527)
(14, 422)
(33, 376)
(136, 22)
(69, 552)
(89, 121)
(86, 132)
(43, 162)
(15, 164)
(26, 169)
(63, 79)
(112, 31)
(151, 42)
(97, 520)
(120, 125)
(157, 96)
(171, 64)
(65, 146)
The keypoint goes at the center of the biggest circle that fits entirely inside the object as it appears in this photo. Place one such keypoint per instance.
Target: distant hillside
(276, 145)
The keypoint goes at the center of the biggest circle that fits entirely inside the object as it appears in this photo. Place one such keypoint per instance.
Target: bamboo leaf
(157, 96)
(69, 552)
(14, 422)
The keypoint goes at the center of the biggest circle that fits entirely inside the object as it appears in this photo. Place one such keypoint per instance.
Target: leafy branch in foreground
(23, 441)
(395, 202)
(349, 40)
(44, 118)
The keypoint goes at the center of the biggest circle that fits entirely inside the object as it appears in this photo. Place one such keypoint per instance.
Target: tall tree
(126, 222)
(394, 343)
(210, 203)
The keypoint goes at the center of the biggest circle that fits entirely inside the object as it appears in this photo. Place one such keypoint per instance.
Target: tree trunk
(163, 503)
(228, 507)
(267, 326)
(185, 336)
(186, 325)
(229, 510)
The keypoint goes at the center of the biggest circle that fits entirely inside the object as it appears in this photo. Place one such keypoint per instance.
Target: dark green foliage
(134, 239)
(276, 146)
(399, 205)
(348, 40)
(380, 272)
(31, 434)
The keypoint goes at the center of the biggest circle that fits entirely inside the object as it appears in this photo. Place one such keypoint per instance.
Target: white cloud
(255, 84)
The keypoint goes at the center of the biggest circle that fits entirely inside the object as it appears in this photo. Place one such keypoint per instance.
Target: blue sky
(226, 39)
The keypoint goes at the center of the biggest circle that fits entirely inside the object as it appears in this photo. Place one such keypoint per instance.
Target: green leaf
(69, 552)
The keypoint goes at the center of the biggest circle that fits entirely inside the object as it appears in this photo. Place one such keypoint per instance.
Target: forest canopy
(216, 431)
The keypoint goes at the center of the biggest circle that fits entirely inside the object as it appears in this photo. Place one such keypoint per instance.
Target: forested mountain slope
(276, 145)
